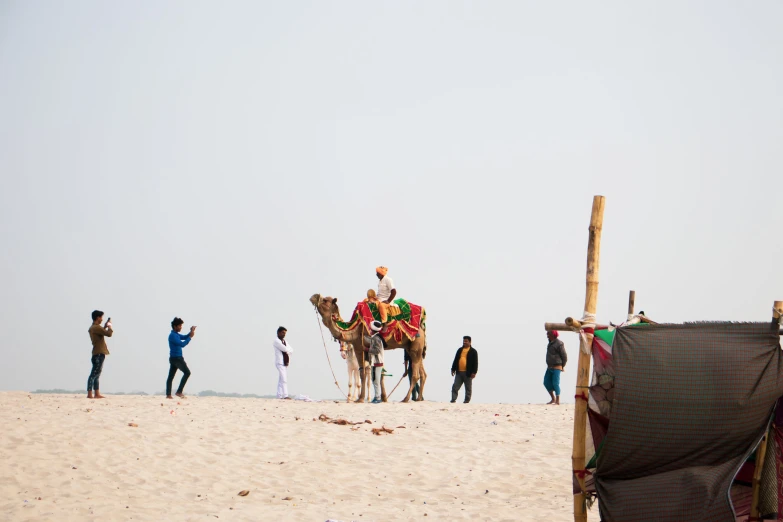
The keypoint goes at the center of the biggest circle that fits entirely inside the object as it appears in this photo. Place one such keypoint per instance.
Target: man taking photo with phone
(177, 342)
(98, 336)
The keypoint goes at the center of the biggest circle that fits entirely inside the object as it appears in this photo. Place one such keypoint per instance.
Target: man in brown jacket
(98, 336)
(556, 359)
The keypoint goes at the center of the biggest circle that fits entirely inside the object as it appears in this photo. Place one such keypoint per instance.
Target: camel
(327, 307)
(347, 353)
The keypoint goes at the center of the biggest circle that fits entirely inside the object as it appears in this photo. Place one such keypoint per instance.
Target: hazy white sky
(223, 161)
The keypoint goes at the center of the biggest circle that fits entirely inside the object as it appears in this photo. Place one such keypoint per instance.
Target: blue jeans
(552, 381)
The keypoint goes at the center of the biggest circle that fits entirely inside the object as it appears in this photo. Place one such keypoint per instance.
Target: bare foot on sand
(98, 395)
(551, 402)
(169, 397)
(180, 395)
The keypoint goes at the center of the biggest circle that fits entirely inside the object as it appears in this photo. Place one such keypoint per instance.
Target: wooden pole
(761, 451)
(631, 300)
(583, 370)
(565, 327)
(561, 327)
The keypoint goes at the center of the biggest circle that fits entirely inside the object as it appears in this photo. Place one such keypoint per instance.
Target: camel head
(326, 306)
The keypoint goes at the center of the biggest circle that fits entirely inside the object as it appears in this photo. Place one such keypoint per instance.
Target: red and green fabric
(405, 324)
(603, 339)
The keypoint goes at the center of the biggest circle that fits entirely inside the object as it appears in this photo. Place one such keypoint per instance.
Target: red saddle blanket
(404, 319)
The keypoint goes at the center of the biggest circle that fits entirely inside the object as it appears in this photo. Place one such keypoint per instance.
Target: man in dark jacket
(464, 369)
(556, 359)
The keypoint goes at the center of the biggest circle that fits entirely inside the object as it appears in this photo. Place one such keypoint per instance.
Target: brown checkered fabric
(768, 491)
(691, 402)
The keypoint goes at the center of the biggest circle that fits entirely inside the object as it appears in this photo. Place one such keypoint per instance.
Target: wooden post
(761, 451)
(583, 370)
(561, 327)
(631, 299)
(567, 327)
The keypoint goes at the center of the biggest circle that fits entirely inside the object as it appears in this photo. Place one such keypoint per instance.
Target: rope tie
(582, 473)
(584, 346)
(588, 326)
(320, 329)
(582, 396)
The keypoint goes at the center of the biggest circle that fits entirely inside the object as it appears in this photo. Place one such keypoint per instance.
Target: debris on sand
(341, 422)
(379, 431)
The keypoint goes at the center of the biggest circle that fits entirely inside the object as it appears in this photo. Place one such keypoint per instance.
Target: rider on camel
(385, 295)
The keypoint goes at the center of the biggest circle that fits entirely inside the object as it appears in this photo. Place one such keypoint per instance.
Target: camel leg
(356, 381)
(417, 358)
(416, 370)
(410, 388)
(423, 377)
(353, 384)
(368, 382)
(362, 374)
(412, 380)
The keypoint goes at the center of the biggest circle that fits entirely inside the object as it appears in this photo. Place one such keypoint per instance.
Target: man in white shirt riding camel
(386, 292)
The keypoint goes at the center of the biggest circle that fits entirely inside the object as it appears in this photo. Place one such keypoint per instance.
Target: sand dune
(189, 459)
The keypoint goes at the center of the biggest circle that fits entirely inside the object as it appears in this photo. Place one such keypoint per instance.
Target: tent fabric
(768, 490)
(690, 404)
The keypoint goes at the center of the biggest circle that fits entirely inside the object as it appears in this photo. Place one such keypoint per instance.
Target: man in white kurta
(282, 352)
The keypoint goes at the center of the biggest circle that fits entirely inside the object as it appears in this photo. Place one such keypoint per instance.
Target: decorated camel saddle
(399, 318)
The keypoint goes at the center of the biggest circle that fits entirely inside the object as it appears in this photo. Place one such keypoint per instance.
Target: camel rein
(320, 329)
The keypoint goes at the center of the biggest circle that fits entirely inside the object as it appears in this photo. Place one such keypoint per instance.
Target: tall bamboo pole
(583, 370)
(761, 451)
(631, 302)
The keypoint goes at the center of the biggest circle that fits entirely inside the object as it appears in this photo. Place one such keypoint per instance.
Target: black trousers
(459, 379)
(177, 363)
(95, 373)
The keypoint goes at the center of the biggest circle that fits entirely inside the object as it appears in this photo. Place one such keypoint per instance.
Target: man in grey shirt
(556, 359)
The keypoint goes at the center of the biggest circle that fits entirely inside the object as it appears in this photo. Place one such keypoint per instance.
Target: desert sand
(64, 457)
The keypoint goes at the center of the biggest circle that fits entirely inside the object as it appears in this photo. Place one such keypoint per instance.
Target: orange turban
(382, 270)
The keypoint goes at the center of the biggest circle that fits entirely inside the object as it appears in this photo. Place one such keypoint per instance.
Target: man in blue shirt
(177, 342)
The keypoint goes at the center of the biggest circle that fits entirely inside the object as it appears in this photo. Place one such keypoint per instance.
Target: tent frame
(586, 326)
